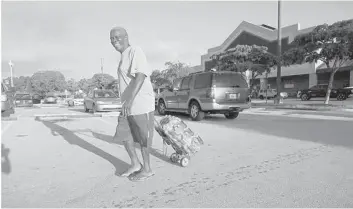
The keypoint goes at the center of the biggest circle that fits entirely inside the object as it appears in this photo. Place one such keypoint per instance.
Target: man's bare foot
(131, 170)
(141, 176)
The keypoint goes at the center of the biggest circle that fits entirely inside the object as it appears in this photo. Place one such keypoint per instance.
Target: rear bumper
(215, 107)
(108, 107)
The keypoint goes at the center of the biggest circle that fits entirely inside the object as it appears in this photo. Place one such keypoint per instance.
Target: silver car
(101, 100)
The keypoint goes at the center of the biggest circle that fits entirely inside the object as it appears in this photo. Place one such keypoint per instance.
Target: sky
(73, 36)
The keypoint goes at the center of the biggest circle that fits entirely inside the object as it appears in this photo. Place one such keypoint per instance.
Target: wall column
(312, 79)
(351, 77)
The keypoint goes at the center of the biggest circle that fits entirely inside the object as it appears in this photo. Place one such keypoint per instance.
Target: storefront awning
(345, 67)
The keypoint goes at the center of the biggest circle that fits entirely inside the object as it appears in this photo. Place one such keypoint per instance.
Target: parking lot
(257, 160)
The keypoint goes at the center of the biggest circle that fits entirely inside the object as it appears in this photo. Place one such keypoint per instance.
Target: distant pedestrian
(137, 96)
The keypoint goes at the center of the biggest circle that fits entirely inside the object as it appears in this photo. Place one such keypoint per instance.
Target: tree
(158, 78)
(72, 85)
(175, 70)
(329, 44)
(20, 83)
(254, 58)
(100, 80)
(48, 81)
(84, 85)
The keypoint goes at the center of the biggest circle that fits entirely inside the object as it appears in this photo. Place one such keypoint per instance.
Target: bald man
(138, 104)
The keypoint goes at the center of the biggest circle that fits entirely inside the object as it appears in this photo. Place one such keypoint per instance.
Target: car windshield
(104, 94)
(23, 96)
(230, 80)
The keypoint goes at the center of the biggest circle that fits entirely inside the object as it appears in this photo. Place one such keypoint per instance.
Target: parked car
(36, 99)
(350, 88)
(320, 91)
(7, 99)
(75, 100)
(271, 93)
(23, 100)
(213, 92)
(101, 100)
(50, 98)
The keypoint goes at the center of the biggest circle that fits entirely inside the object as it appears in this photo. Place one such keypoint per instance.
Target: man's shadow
(5, 161)
(110, 139)
(71, 138)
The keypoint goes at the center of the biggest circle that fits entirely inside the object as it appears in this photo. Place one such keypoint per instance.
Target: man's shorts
(136, 128)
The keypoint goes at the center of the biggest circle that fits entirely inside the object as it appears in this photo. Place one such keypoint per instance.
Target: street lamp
(11, 65)
(279, 53)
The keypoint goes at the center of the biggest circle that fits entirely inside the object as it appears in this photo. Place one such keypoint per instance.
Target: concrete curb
(9, 118)
(304, 107)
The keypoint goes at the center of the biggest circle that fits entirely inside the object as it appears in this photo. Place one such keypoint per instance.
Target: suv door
(171, 98)
(184, 93)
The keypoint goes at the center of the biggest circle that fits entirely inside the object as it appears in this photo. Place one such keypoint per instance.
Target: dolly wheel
(184, 162)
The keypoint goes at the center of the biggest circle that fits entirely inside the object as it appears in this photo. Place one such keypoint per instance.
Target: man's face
(117, 39)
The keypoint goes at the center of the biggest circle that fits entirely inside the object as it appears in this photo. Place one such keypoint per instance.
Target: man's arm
(136, 84)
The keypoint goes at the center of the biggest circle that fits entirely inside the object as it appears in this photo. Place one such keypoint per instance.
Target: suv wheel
(231, 115)
(195, 112)
(161, 108)
(341, 97)
(304, 97)
(261, 97)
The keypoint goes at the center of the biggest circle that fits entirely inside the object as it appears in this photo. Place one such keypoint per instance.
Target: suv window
(230, 80)
(185, 83)
(203, 81)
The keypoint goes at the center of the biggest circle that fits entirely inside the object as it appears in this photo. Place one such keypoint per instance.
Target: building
(294, 77)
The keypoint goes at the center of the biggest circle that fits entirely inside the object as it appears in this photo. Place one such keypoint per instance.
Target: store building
(294, 77)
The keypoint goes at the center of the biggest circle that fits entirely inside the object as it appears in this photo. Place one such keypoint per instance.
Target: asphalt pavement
(260, 159)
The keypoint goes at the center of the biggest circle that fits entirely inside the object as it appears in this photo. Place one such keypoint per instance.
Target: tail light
(3, 98)
(210, 93)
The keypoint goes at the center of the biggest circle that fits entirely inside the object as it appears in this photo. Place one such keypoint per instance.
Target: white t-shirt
(133, 60)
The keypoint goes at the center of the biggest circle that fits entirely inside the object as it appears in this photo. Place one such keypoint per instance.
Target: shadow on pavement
(5, 161)
(109, 139)
(71, 138)
(330, 132)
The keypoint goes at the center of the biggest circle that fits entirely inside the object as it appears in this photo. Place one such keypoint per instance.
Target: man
(138, 104)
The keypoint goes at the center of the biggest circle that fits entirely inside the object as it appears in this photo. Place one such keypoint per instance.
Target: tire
(195, 112)
(261, 97)
(341, 97)
(304, 97)
(70, 103)
(85, 107)
(231, 115)
(161, 108)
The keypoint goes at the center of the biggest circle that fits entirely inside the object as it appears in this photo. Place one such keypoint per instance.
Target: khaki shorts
(136, 128)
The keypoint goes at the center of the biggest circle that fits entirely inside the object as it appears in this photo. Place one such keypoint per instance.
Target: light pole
(279, 53)
(102, 73)
(11, 65)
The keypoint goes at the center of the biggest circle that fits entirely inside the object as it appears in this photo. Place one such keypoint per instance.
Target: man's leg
(143, 126)
(121, 132)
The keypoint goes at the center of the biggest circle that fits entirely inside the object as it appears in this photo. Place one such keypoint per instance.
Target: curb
(9, 118)
(304, 107)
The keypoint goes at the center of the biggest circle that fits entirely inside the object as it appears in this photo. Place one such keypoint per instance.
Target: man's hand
(126, 108)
